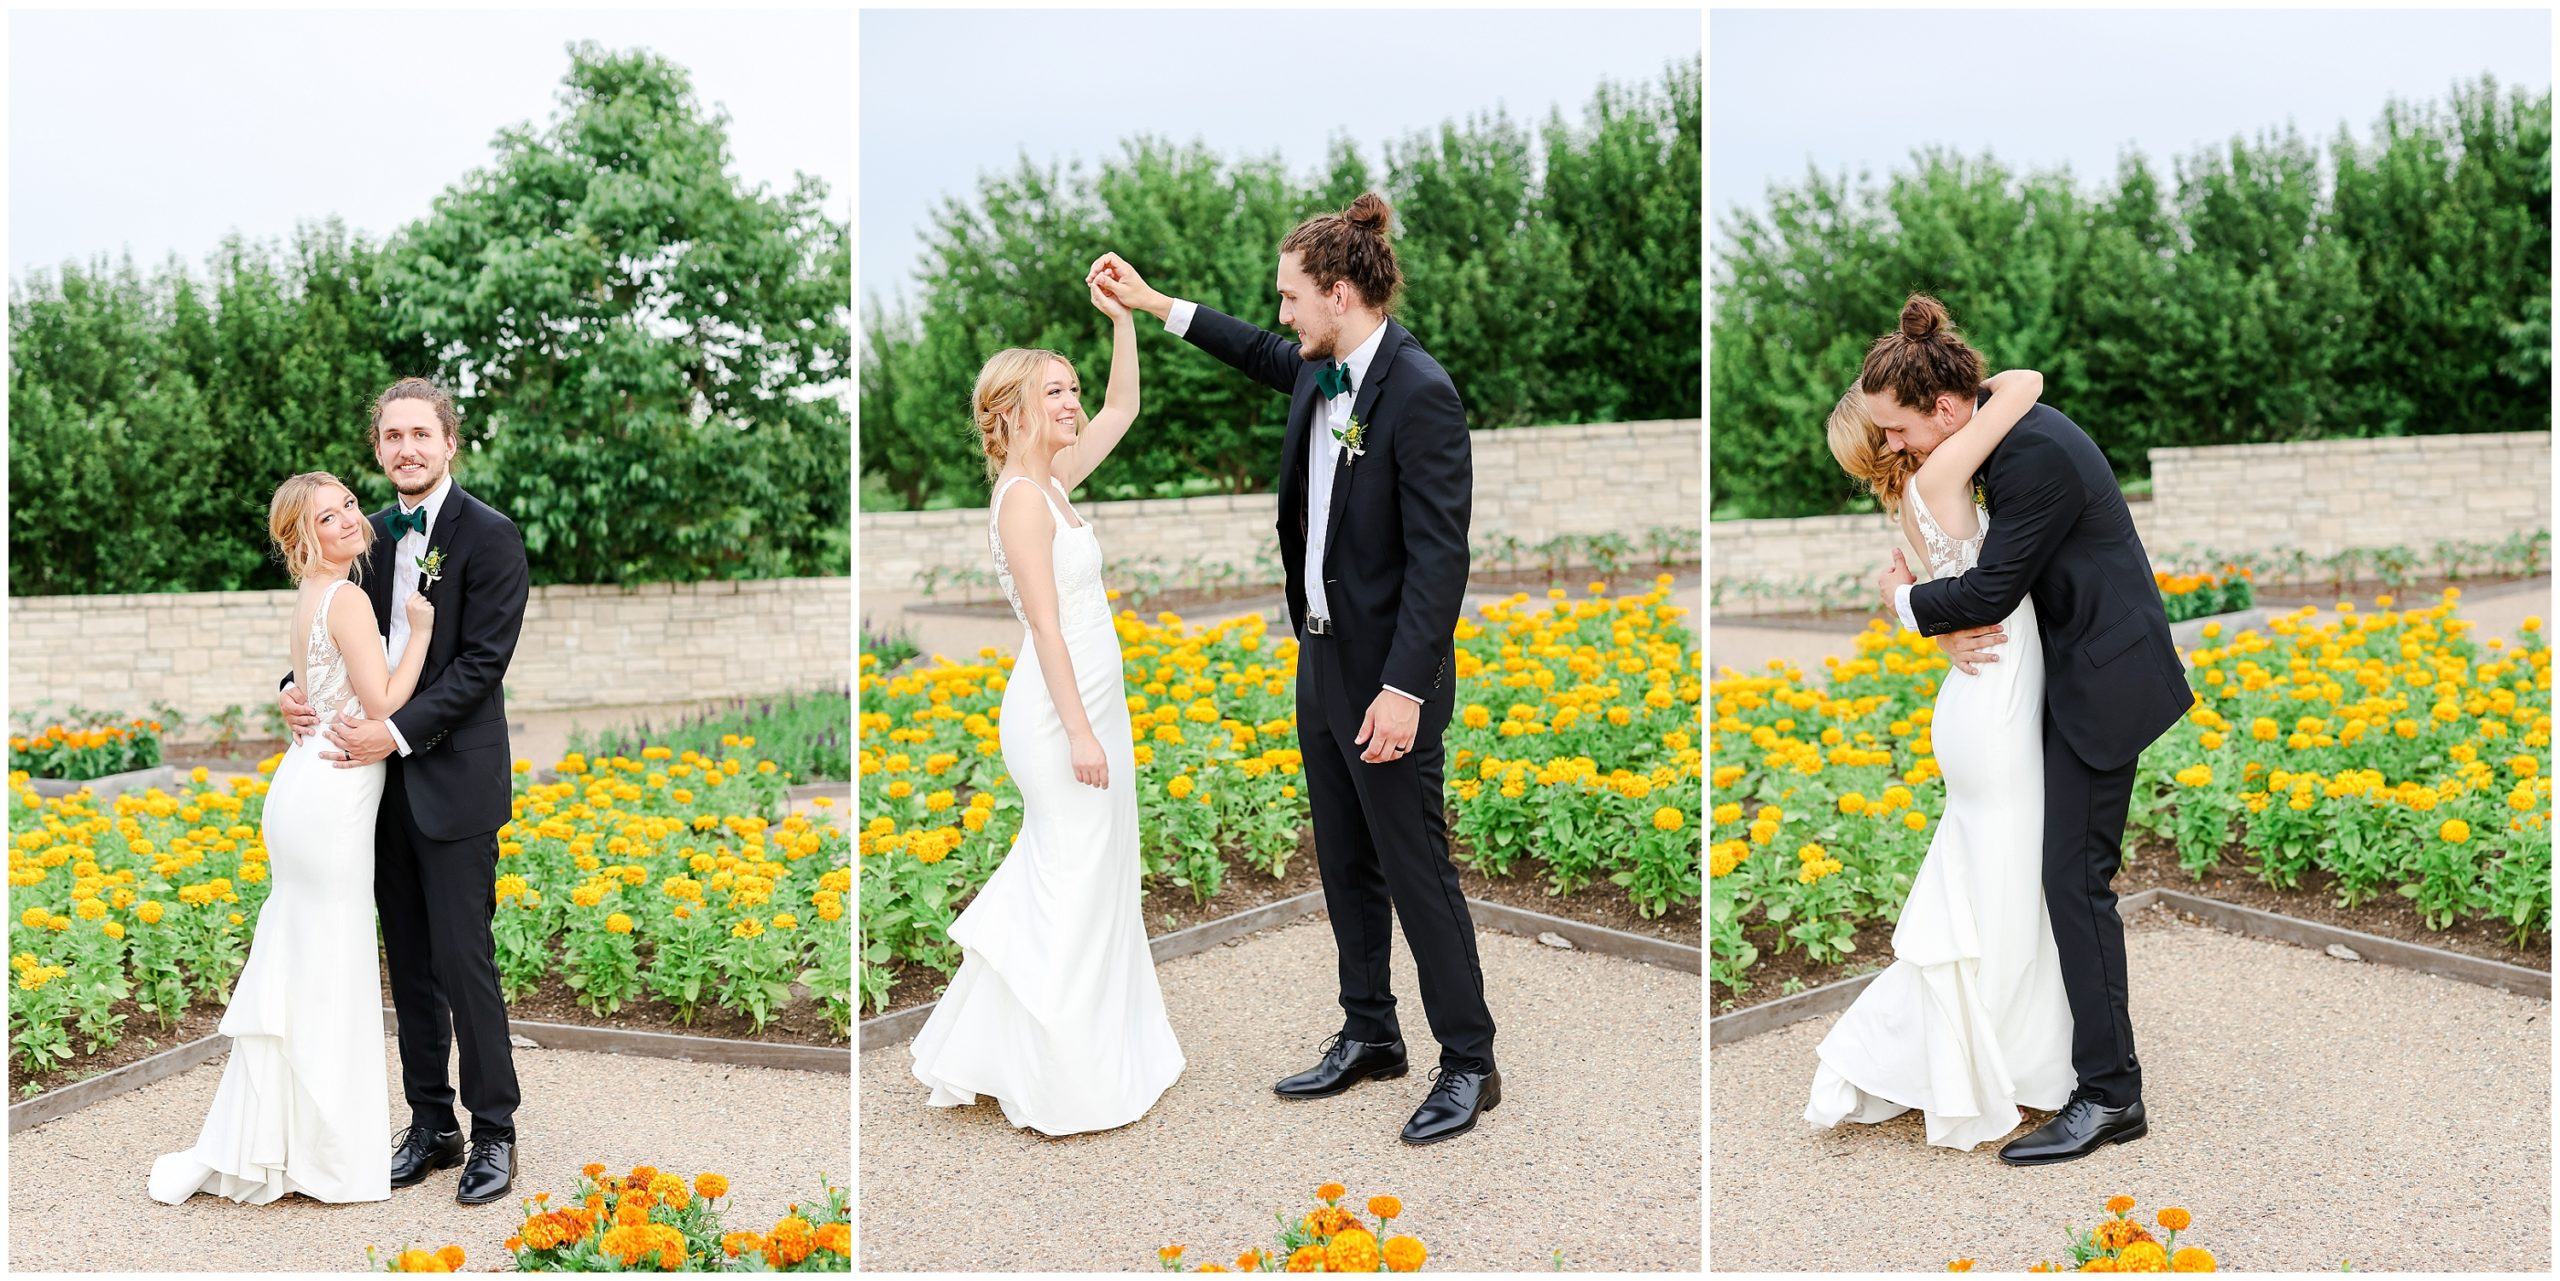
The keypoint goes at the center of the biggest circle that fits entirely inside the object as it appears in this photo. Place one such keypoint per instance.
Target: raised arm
(1266, 358)
(1119, 403)
(381, 692)
(1942, 478)
(1024, 525)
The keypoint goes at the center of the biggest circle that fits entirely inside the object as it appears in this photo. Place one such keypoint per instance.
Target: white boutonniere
(430, 568)
(1350, 438)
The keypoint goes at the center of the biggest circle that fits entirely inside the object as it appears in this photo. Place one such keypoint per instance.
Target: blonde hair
(293, 525)
(1859, 446)
(1009, 384)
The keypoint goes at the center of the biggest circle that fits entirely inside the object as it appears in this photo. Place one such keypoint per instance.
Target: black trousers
(436, 899)
(1382, 837)
(2084, 811)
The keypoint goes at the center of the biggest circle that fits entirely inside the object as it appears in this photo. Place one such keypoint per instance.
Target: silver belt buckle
(1318, 626)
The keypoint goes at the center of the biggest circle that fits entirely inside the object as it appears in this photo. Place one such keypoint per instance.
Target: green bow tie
(401, 520)
(1334, 379)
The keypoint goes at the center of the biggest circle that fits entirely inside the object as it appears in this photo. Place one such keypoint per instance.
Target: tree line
(651, 362)
(2269, 290)
(1553, 273)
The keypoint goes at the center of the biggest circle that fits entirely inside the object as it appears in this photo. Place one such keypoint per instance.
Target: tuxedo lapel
(377, 584)
(1364, 403)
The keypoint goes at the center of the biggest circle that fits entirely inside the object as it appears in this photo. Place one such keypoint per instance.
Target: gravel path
(78, 1200)
(2306, 1110)
(1594, 1150)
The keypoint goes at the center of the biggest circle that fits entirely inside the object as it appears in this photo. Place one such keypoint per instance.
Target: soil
(798, 1023)
(239, 756)
(1777, 974)
(2155, 866)
(143, 1037)
(1169, 908)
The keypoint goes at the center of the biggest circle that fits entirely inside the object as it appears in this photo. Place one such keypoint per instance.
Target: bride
(304, 1100)
(1969, 1021)
(1055, 1009)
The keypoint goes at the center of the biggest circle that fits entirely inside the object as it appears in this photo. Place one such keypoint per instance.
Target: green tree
(649, 351)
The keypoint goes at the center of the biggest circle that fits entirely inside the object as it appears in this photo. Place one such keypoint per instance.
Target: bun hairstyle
(1922, 359)
(1009, 386)
(1351, 245)
(1858, 444)
(293, 524)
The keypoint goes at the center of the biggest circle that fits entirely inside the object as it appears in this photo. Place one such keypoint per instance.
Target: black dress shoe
(490, 1171)
(2083, 1126)
(1455, 1101)
(1345, 1063)
(417, 1152)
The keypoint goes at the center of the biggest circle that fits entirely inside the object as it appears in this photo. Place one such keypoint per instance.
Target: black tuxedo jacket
(1395, 555)
(2060, 533)
(457, 773)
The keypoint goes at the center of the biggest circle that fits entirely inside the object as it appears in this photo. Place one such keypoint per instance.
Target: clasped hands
(358, 741)
(1968, 649)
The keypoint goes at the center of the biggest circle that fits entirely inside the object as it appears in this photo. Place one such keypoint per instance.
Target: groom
(447, 791)
(1375, 481)
(2061, 535)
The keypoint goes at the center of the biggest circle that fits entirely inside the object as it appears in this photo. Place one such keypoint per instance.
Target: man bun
(1923, 317)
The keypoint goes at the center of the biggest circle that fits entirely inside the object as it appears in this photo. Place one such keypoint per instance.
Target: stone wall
(201, 652)
(2319, 496)
(1532, 483)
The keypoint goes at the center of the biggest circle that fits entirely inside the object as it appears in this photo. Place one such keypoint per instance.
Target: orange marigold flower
(1404, 1254)
(734, 1242)
(2143, 1256)
(2192, 1259)
(452, 1258)
(632, 1210)
(1307, 1258)
(2175, 1219)
(710, 1187)
(418, 1261)
(1330, 1192)
(641, 1174)
(1352, 1250)
(2119, 1204)
(838, 1237)
(592, 1169)
(789, 1242)
(1249, 1261)
(1959, 1265)
(1167, 1254)
(1385, 1207)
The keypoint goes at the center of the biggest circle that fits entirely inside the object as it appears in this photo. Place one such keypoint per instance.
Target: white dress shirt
(1324, 453)
(404, 580)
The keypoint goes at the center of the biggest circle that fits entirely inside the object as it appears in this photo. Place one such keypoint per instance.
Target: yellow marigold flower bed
(155, 896)
(1328, 1238)
(1575, 750)
(2388, 748)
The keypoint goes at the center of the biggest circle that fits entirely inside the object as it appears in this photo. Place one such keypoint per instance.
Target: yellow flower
(2119, 1204)
(1179, 786)
(2192, 1259)
(1352, 1250)
(2454, 831)
(1404, 1254)
(1668, 819)
(618, 923)
(1915, 820)
(2143, 1256)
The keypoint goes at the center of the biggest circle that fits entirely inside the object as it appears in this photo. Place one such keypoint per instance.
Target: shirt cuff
(1400, 693)
(1177, 318)
(395, 736)
(1902, 605)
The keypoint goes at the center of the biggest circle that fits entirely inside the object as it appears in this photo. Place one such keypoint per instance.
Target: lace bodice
(324, 668)
(1947, 555)
(1075, 562)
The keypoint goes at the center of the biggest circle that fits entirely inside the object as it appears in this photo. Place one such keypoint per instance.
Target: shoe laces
(404, 1137)
(1440, 1086)
(480, 1145)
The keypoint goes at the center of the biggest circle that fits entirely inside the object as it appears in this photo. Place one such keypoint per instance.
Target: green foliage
(649, 357)
(2403, 287)
(1554, 274)
(803, 734)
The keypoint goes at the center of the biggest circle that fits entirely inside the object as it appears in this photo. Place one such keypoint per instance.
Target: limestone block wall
(201, 652)
(2319, 496)
(1532, 483)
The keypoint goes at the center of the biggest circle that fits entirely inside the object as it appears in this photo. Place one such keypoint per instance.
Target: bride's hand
(422, 616)
(1092, 768)
(1108, 305)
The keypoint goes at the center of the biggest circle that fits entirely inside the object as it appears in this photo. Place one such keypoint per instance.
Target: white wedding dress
(1970, 1020)
(304, 1104)
(1055, 1009)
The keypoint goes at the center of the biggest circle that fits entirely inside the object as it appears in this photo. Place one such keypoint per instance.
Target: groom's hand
(1971, 647)
(359, 742)
(1113, 275)
(1388, 727)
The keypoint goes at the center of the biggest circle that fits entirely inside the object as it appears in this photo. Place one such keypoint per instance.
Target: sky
(159, 132)
(2045, 89)
(949, 96)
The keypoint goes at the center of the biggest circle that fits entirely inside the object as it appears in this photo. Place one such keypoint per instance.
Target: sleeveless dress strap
(995, 505)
